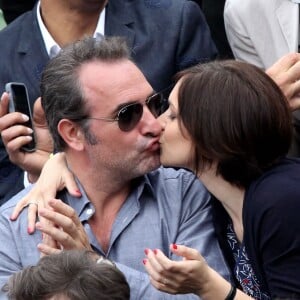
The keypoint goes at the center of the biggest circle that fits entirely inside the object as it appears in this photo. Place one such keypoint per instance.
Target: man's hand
(286, 73)
(68, 232)
(15, 135)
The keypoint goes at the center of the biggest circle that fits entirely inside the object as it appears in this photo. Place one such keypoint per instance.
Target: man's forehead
(116, 81)
(118, 69)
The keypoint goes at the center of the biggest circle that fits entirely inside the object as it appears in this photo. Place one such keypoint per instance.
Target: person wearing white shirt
(261, 33)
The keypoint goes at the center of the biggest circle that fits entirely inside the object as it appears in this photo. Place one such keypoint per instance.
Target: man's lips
(153, 146)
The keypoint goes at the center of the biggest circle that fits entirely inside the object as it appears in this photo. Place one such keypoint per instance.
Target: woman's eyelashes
(172, 115)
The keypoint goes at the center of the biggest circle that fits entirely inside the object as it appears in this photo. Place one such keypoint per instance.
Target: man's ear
(72, 134)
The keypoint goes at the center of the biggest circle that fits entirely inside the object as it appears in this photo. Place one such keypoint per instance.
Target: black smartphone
(19, 102)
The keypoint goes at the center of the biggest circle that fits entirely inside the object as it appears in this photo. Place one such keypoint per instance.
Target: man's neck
(75, 21)
(104, 189)
(106, 193)
(107, 198)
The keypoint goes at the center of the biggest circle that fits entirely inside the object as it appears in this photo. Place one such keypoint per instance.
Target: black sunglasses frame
(130, 115)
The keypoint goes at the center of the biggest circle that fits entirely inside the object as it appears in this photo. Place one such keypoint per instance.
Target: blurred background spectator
(261, 32)
(213, 11)
(2, 22)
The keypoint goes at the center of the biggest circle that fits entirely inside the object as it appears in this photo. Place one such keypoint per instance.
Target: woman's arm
(54, 177)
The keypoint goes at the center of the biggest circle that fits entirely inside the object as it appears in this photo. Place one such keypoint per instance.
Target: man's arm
(8, 253)
(17, 248)
(197, 229)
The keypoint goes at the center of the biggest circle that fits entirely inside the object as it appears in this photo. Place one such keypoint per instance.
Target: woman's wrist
(215, 287)
(231, 294)
(34, 171)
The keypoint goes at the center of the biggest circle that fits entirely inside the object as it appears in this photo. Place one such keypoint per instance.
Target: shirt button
(89, 211)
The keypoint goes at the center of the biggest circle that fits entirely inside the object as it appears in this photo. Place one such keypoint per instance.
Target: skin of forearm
(34, 172)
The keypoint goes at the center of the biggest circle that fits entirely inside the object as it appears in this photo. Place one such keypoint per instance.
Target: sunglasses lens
(157, 104)
(129, 116)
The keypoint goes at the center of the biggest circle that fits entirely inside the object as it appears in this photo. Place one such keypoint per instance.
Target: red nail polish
(155, 251)
(144, 261)
(146, 251)
(174, 246)
(78, 192)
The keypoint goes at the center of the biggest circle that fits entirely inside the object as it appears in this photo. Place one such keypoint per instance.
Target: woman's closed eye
(172, 116)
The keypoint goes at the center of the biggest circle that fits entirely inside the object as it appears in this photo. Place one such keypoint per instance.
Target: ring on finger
(33, 203)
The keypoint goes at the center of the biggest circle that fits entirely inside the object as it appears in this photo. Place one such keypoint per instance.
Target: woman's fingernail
(155, 251)
(174, 246)
(146, 251)
(144, 261)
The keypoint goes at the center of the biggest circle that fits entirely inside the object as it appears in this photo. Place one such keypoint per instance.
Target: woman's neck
(230, 196)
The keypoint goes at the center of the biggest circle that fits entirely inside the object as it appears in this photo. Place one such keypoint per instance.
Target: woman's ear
(72, 134)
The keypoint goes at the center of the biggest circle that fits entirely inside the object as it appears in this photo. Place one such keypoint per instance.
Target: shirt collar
(52, 47)
(85, 209)
(82, 206)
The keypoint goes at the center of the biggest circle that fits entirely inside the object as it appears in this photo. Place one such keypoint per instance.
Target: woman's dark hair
(237, 117)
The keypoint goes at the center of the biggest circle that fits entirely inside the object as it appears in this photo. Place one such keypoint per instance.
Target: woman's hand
(177, 277)
(54, 177)
(190, 275)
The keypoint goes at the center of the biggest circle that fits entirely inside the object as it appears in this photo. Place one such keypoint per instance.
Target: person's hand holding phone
(19, 102)
(15, 135)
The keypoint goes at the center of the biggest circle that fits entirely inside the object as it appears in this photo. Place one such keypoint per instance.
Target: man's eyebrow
(121, 105)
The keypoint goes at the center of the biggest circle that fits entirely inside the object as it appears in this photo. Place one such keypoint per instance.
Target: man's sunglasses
(129, 115)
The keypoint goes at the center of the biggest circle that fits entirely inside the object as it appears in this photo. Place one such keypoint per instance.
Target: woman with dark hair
(230, 124)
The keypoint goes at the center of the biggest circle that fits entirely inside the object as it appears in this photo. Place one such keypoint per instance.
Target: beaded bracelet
(231, 293)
